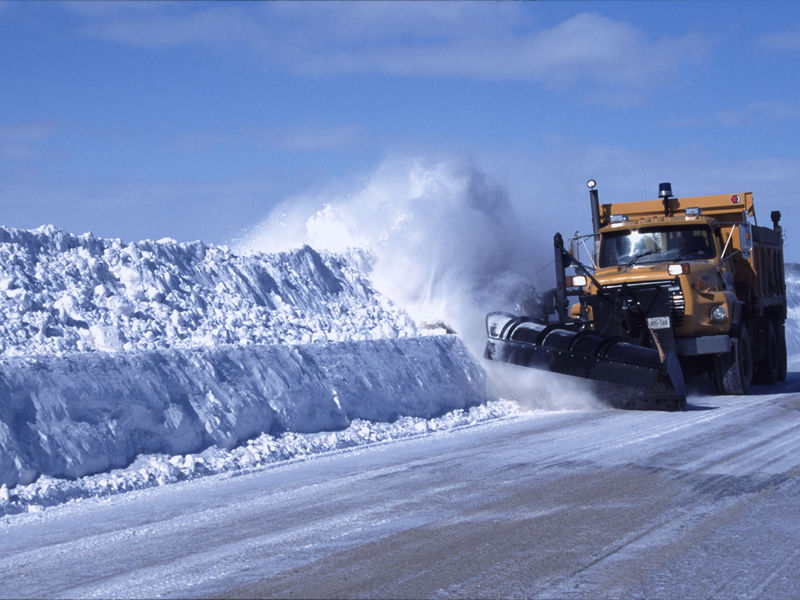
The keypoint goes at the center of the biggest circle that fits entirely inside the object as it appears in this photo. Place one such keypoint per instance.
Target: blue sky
(144, 120)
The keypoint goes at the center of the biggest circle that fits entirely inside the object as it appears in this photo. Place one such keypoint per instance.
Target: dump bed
(763, 272)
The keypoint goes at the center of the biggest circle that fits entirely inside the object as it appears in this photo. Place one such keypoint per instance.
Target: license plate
(658, 323)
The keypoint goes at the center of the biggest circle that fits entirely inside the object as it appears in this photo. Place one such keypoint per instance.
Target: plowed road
(703, 503)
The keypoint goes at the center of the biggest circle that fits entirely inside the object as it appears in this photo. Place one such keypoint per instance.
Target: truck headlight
(576, 281)
(679, 269)
(719, 313)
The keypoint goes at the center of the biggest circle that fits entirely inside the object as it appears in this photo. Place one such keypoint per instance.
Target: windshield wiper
(642, 255)
(688, 253)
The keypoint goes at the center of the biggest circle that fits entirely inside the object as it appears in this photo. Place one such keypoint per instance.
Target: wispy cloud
(22, 140)
(301, 138)
(322, 138)
(163, 26)
(782, 40)
(752, 112)
(478, 41)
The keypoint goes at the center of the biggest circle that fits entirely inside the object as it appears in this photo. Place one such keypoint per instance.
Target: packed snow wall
(90, 412)
(109, 350)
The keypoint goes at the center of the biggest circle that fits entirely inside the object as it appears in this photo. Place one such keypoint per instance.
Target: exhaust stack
(594, 204)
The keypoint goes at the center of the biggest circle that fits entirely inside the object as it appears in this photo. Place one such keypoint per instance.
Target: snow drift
(90, 412)
(110, 350)
(150, 470)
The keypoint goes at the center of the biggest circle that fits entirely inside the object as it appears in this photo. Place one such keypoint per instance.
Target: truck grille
(678, 303)
(677, 299)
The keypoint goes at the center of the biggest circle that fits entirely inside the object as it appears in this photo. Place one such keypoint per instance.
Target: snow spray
(446, 242)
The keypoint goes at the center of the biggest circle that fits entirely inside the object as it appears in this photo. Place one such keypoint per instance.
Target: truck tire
(780, 334)
(767, 369)
(733, 371)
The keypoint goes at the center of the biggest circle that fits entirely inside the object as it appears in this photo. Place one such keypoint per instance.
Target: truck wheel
(767, 368)
(733, 371)
(780, 335)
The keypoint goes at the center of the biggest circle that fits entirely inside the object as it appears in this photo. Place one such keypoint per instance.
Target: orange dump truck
(674, 287)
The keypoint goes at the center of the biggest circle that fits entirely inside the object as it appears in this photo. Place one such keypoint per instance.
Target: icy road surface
(586, 504)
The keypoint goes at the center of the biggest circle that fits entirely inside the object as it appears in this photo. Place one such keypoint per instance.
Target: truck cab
(715, 268)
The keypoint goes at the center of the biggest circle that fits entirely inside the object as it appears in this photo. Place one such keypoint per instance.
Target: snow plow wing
(647, 381)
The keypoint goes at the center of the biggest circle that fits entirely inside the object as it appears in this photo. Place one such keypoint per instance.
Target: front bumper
(704, 344)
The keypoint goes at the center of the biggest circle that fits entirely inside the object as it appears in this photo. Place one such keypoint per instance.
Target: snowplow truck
(675, 287)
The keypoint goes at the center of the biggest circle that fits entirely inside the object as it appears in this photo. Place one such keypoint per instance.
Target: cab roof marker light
(619, 218)
(693, 211)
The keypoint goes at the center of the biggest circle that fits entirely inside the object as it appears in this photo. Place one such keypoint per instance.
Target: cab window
(656, 244)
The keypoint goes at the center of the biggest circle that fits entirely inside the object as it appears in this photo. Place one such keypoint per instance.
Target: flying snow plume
(447, 245)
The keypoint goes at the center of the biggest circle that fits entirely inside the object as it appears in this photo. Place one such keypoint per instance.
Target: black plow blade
(636, 375)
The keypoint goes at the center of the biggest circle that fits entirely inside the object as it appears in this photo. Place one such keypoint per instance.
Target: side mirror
(746, 239)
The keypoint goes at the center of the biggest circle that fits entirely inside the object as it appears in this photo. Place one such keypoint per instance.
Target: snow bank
(90, 412)
(159, 469)
(62, 293)
(112, 351)
(793, 308)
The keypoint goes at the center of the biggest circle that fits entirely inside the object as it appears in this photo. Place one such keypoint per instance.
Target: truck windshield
(655, 244)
